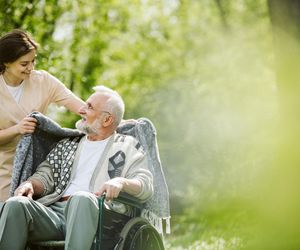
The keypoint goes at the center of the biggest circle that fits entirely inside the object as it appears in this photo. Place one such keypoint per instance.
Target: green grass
(215, 228)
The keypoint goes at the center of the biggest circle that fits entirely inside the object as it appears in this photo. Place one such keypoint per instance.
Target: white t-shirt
(16, 92)
(91, 152)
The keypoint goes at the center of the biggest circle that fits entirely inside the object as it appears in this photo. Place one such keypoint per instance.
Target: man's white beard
(88, 129)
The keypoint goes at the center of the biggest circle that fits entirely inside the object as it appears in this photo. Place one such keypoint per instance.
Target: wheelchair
(117, 231)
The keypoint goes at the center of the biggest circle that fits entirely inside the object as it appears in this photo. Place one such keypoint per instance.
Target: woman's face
(20, 69)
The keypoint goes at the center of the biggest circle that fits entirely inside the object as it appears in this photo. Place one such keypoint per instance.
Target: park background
(218, 78)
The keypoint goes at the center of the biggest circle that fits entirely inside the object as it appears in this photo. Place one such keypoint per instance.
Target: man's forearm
(131, 186)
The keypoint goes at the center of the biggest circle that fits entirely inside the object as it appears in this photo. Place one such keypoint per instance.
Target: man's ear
(107, 121)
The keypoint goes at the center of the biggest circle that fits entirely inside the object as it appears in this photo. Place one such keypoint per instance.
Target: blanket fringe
(168, 225)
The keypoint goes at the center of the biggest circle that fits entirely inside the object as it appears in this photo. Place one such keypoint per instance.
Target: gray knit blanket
(33, 149)
(157, 208)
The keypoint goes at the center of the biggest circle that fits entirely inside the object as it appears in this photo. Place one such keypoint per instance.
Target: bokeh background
(220, 81)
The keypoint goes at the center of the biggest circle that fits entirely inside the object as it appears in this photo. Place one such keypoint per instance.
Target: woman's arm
(74, 104)
(61, 95)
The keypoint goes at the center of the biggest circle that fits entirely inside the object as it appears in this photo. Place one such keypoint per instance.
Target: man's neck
(99, 137)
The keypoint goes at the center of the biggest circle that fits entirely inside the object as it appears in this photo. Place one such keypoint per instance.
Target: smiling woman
(22, 91)
(20, 69)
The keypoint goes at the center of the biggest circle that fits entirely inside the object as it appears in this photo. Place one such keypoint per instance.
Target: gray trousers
(75, 220)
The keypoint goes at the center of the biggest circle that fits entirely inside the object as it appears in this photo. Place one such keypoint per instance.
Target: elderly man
(60, 199)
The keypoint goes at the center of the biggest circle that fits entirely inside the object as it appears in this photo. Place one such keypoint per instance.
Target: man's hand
(111, 188)
(25, 189)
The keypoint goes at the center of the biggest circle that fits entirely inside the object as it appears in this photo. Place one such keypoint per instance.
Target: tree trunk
(223, 15)
(281, 203)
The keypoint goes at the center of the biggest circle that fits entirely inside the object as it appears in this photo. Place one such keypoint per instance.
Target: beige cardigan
(134, 166)
(39, 90)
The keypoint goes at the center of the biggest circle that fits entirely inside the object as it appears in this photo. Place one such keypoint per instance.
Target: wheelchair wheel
(139, 234)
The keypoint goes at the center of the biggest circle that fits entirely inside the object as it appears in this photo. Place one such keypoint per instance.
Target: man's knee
(83, 197)
(15, 207)
(82, 209)
(16, 203)
(82, 202)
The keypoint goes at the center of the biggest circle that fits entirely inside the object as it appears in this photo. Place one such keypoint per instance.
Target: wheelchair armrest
(130, 200)
(126, 199)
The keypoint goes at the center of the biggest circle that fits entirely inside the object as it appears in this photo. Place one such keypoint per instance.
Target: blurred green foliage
(203, 72)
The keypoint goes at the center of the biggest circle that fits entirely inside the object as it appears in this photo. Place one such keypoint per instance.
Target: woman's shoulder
(37, 75)
(43, 77)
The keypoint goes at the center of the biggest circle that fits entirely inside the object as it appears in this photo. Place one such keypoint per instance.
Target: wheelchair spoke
(139, 234)
(145, 238)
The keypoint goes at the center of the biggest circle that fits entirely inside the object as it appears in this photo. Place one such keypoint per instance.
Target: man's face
(91, 114)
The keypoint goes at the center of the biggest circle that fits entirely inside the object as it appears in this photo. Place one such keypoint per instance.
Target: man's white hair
(114, 105)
